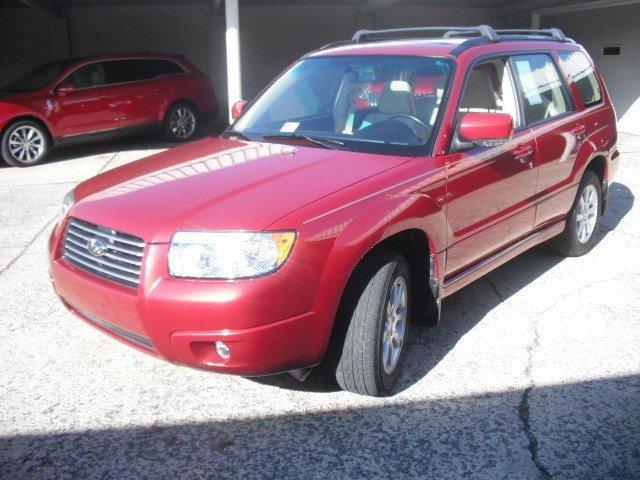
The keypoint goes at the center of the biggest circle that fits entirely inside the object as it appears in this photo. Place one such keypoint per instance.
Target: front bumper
(271, 324)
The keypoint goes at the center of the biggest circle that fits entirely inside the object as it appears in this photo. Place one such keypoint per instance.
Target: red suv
(81, 100)
(331, 215)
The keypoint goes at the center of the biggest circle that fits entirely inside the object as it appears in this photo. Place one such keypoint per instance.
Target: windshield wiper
(321, 142)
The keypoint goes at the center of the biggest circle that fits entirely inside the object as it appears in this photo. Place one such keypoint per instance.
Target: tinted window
(581, 71)
(167, 67)
(91, 75)
(544, 93)
(38, 78)
(123, 71)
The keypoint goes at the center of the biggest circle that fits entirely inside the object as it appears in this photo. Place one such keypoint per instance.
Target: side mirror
(485, 129)
(238, 108)
(65, 88)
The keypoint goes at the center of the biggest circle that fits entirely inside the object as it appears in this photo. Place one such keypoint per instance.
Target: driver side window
(490, 88)
(88, 76)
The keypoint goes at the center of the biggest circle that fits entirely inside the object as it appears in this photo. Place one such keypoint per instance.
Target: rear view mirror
(238, 108)
(65, 88)
(485, 129)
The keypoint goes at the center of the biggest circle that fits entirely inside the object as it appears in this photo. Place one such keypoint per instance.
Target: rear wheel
(579, 235)
(376, 309)
(25, 143)
(180, 123)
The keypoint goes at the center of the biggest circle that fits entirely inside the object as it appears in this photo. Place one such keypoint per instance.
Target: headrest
(478, 93)
(396, 97)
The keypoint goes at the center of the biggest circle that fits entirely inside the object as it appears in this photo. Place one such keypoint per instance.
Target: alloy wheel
(395, 325)
(587, 213)
(26, 144)
(182, 123)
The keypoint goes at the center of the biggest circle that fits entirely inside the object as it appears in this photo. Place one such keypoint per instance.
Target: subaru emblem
(97, 247)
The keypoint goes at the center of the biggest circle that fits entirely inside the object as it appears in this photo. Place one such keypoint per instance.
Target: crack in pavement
(15, 259)
(524, 411)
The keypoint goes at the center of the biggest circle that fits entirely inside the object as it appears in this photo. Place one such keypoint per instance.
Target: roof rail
(555, 33)
(483, 30)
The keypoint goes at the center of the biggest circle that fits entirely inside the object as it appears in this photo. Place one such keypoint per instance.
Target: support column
(535, 21)
(234, 71)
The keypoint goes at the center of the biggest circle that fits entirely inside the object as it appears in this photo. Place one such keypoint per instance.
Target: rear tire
(25, 143)
(181, 122)
(376, 309)
(579, 235)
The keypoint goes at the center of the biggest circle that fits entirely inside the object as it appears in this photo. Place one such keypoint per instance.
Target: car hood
(219, 184)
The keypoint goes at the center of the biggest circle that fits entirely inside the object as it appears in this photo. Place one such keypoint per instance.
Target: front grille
(104, 252)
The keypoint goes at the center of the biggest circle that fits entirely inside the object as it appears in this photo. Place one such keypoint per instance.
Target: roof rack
(483, 30)
(555, 33)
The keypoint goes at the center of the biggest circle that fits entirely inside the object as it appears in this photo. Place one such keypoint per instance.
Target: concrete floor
(533, 373)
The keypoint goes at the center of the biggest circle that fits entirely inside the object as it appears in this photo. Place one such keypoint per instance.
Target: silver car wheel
(26, 144)
(395, 325)
(182, 122)
(587, 213)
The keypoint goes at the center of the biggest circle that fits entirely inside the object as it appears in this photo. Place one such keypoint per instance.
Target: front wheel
(25, 143)
(180, 123)
(579, 235)
(376, 308)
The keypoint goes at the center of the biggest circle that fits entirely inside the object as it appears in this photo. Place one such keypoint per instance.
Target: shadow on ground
(460, 437)
(429, 346)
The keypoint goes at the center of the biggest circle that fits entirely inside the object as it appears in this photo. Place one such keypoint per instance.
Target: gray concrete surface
(533, 373)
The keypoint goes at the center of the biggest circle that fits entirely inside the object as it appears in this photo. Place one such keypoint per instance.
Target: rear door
(550, 112)
(134, 95)
(490, 189)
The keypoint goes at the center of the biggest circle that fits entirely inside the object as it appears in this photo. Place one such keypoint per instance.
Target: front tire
(181, 122)
(376, 308)
(579, 235)
(25, 143)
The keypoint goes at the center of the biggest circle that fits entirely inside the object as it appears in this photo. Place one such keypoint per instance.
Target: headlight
(228, 255)
(68, 201)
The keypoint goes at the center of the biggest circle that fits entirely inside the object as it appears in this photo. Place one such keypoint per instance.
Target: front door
(88, 108)
(490, 190)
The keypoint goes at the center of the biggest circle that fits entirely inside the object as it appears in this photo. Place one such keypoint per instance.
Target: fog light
(222, 349)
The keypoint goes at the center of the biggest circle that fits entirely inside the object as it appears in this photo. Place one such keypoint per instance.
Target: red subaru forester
(82, 100)
(344, 203)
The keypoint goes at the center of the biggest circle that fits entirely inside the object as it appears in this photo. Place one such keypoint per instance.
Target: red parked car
(318, 221)
(93, 98)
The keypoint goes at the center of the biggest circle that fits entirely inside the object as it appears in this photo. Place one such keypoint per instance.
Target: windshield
(37, 78)
(380, 104)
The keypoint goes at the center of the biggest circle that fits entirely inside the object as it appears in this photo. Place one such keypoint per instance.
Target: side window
(167, 67)
(490, 88)
(91, 75)
(544, 93)
(124, 71)
(578, 67)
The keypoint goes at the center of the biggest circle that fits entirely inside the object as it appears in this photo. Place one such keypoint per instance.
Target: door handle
(580, 132)
(103, 97)
(523, 153)
(157, 89)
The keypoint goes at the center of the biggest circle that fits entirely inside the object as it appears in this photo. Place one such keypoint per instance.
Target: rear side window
(167, 67)
(91, 75)
(579, 68)
(123, 71)
(544, 93)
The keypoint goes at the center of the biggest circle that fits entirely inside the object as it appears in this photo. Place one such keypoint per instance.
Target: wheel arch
(31, 118)
(598, 165)
(179, 100)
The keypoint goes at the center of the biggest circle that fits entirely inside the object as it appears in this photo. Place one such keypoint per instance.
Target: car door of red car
(134, 96)
(550, 112)
(87, 108)
(490, 190)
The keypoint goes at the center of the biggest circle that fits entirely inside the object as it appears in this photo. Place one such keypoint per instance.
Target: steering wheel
(422, 130)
